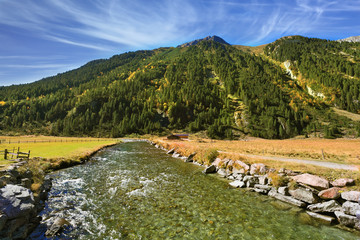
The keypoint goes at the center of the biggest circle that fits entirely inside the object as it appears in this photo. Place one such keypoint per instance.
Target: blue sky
(40, 38)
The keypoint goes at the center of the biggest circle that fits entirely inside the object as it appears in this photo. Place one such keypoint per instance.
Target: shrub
(278, 180)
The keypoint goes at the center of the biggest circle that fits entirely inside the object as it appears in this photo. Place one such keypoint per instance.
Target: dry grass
(337, 150)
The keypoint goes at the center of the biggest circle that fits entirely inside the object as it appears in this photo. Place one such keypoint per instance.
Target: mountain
(208, 38)
(350, 39)
(289, 87)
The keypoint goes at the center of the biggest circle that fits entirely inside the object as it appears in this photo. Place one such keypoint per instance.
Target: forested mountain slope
(208, 86)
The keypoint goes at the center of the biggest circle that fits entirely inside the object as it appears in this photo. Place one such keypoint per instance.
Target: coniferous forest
(209, 86)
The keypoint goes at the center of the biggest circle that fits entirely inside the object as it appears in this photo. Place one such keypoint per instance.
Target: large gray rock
(304, 195)
(293, 201)
(257, 168)
(351, 196)
(343, 182)
(263, 179)
(240, 166)
(210, 169)
(284, 191)
(261, 186)
(350, 208)
(237, 184)
(347, 220)
(312, 180)
(217, 162)
(16, 201)
(322, 218)
(222, 172)
(328, 206)
(250, 181)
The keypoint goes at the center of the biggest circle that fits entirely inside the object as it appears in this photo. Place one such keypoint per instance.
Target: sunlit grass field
(51, 147)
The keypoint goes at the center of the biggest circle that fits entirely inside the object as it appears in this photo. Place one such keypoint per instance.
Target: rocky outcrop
(312, 180)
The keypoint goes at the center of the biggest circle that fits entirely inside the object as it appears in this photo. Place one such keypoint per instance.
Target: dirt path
(312, 162)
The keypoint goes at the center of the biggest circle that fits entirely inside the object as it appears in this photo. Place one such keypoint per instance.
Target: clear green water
(135, 191)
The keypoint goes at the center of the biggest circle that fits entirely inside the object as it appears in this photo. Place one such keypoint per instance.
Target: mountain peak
(208, 38)
(350, 39)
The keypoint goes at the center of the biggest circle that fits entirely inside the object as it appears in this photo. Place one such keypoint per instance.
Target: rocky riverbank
(23, 193)
(327, 201)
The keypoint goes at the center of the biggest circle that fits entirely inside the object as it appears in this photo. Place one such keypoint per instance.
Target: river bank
(330, 202)
(24, 189)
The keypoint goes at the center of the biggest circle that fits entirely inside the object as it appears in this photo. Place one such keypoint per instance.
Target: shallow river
(135, 191)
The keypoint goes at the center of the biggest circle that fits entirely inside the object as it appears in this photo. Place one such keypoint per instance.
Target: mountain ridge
(213, 38)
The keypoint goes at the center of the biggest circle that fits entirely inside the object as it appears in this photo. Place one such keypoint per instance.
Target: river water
(135, 191)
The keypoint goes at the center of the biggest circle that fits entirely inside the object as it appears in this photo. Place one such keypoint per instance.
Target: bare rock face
(312, 180)
(331, 193)
(325, 207)
(304, 195)
(351, 196)
(343, 182)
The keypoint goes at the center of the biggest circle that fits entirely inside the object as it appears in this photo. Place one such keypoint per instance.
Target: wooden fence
(15, 154)
(9, 141)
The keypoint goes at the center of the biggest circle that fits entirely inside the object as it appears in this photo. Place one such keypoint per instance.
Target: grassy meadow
(51, 147)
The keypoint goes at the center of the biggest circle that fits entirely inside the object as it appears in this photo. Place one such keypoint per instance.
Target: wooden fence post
(5, 154)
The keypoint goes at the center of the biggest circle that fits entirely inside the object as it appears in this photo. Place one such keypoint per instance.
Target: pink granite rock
(330, 194)
(342, 182)
(312, 180)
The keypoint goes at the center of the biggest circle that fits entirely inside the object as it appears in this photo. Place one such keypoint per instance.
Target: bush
(277, 180)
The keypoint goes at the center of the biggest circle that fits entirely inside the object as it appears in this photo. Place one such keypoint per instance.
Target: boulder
(312, 180)
(250, 181)
(350, 208)
(241, 166)
(210, 169)
(237, 184)
(217, 162)
(16, 201)
(343, 182)
(347, 220)
(263, 180)
(56, 227)
(293, 201)
(328, 206)
(222, 172)
(322, 218)
(284, 191)
(190, 157)
(171, 151)
(351, 196)
(304, 195)
(331, 193)
(257, 168)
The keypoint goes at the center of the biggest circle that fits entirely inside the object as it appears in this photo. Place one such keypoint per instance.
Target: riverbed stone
(56, 227)
(288, 199)
(283, 191)
(351, 196)
(237, 184)
(347, 220)
(350, 208)
(331, 193)
(323, 218)
(304, 195)
(312, 180)
(343, 182)
(328, 207)
(210, 169)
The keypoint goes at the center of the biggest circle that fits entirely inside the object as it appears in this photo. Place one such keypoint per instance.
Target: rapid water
(135, 191)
